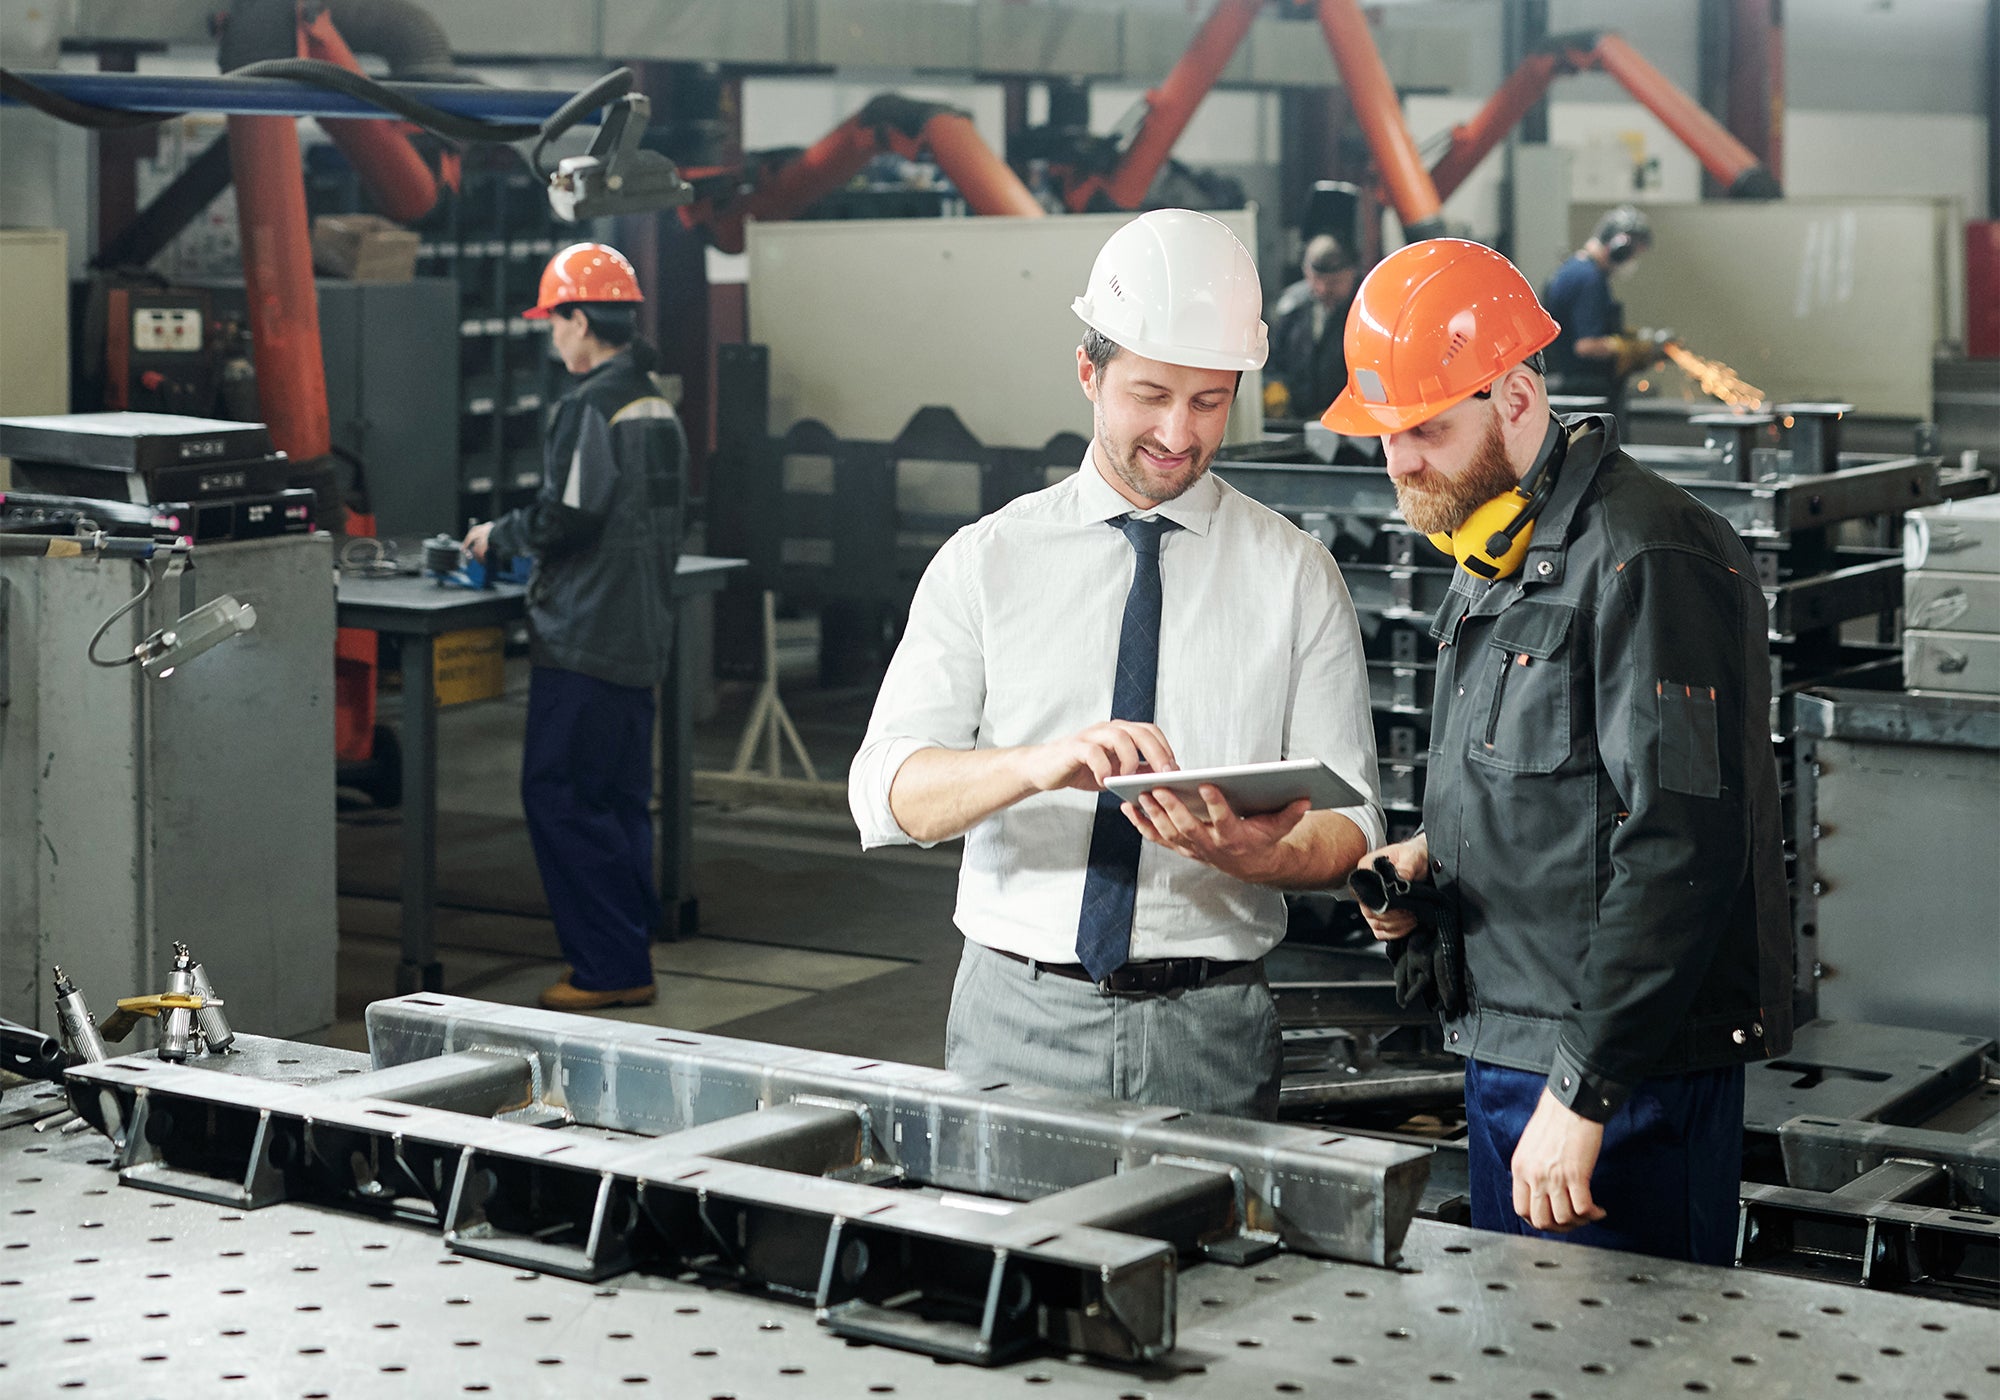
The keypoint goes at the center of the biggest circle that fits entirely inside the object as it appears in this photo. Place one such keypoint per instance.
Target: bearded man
(1601, 819)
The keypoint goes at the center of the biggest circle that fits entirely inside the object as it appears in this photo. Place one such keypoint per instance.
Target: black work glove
(1429, 963)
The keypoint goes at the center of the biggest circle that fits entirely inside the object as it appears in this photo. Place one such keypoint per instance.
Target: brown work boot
(564, 996)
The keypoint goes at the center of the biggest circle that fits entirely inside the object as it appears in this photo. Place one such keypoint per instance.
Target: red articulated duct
(278, 283)
(380, 151)
(887, 123)
(1474, 140)
(1380, 113)
(1172, 104)
(283, 305)
(1732, 163)
(819, 170)
(988, 183)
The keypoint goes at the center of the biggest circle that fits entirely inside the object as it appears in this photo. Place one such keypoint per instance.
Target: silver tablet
(1252, 788)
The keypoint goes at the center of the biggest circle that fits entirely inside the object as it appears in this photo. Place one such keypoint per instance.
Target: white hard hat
(1178, 287)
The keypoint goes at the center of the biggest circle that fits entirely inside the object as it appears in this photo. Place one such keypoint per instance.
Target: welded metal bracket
(1024, 1217)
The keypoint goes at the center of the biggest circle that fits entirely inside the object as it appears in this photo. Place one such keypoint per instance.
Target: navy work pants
(586, 785)
(1668, 1176)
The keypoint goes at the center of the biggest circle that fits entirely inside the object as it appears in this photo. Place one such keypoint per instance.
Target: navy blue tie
(1111, 883)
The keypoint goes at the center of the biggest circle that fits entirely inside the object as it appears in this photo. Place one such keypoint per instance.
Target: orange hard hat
(585, 272)
(1433, 324)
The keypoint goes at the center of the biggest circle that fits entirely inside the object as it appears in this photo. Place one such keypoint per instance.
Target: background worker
(605, 533)
(1139, 613)
(1593, 354)
(1307, 360)
(1601, 813)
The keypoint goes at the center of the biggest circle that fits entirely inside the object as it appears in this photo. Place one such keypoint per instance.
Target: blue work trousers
(586, 785)
(1668, 1176)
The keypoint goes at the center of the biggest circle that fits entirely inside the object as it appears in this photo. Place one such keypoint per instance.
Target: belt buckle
(1128, 980)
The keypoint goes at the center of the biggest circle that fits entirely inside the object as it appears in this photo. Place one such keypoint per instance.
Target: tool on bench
(191, 1019)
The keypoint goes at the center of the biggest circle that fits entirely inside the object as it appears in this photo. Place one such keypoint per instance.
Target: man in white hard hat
(1138, 615)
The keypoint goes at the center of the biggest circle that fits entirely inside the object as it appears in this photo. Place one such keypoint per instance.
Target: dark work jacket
(1602, 802)
(1579, 297)
(1312, 371)
(605, 529)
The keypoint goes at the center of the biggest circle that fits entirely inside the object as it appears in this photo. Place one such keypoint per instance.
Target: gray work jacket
(1602, 801)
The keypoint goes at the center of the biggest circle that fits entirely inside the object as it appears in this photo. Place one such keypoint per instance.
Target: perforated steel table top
(106, 1289)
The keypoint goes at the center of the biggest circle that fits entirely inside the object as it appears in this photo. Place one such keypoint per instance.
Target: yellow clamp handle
(153, 1003)
(119, 1023)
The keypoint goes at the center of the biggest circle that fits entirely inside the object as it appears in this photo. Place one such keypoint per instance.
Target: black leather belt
(1156, 975)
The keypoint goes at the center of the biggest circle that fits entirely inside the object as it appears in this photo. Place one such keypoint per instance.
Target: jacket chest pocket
(1522, 721)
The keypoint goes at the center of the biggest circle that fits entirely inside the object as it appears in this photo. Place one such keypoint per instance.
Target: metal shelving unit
(492, 239)
(494, 244)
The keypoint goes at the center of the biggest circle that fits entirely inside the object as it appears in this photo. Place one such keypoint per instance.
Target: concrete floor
(803, 939)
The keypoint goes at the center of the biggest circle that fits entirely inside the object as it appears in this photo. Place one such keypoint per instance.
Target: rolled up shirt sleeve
(1330, 716)
(932, 696)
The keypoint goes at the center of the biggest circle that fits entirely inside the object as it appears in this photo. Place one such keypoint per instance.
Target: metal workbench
(109, 1289)
(417, 611)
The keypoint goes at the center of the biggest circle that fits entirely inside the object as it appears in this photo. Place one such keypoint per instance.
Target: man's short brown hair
(1324, 254)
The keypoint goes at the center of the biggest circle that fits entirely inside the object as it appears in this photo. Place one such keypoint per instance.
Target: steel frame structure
(763, 1168)
(112, 1288)
(1880, 1153)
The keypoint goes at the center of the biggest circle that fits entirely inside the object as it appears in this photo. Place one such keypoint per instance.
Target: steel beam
(757, 1167)
(1823, 600)
(896, 1267)
(1355, 1005)
(1772, 507)
(1824, 1154)
(1319, 1193)
(471, 1081)
(1877, 1243)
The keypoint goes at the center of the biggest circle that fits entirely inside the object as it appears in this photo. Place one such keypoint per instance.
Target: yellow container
(469, 665)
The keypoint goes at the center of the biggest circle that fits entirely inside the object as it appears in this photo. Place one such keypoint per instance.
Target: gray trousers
(1208, 1049)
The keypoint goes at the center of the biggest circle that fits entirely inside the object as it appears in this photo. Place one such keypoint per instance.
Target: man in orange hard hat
(1138, 614)
(604, 530)
(1601, 823)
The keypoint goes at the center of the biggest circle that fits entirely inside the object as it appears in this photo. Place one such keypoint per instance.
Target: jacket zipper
(1499, 692)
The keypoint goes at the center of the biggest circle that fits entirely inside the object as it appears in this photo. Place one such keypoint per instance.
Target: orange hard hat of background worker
(585, 272)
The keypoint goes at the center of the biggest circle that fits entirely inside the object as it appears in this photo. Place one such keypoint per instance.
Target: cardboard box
(363, 248)
(470, 665)
(1962, 536)
(1937, 601)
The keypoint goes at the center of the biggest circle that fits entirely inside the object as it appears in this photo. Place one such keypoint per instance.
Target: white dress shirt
(1013, 638)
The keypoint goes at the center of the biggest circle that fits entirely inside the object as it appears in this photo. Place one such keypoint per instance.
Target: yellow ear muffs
(1494, 539)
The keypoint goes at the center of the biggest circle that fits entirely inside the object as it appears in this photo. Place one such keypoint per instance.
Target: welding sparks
(1714, 378)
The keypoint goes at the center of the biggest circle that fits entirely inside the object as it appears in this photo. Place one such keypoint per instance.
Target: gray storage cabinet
(392, 394)
(199, 808)
(1901, 889)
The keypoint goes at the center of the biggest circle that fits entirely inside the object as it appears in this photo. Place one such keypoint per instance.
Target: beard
(1437, 504)
(1123, 458)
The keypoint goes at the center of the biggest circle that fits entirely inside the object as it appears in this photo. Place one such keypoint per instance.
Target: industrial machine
(166, 739)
